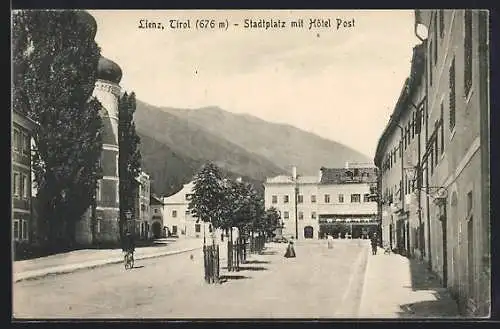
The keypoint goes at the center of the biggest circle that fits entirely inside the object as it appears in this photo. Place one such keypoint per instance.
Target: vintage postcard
(250, 164)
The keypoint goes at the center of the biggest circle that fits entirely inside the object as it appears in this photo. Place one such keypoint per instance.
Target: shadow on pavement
(257, 262)
(268, 253)
(136, 267)
(421, 277)
(253, 268)
(438, 309)
(226, 278)
(151, 243)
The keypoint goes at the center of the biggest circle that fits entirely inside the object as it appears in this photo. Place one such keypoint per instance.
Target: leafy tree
(238, 211)
(129, 156)
(207, 200)
(55, 62)
(272, 220)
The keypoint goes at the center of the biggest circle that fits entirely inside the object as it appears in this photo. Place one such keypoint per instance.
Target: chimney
(294, 172)
(347, 165)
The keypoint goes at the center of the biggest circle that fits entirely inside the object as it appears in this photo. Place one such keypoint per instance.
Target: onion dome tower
(100, 224)
(107, 90)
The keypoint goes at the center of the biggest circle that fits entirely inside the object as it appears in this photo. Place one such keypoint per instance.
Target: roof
(108, 70)
(349, 175)
(154, 200)
(23, 119)
(409, 87)
(283, 179)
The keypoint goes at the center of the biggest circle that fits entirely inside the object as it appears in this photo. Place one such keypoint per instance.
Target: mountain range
(176, 142)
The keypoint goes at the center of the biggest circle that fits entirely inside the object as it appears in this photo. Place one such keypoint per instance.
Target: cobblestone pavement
(319, 282)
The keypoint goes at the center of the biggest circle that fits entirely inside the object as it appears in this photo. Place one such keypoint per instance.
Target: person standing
(374, 243)
(290, 251)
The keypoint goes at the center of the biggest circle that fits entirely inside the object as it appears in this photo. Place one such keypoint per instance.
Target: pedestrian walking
(330, 241)
(374, 243)
(290, 251)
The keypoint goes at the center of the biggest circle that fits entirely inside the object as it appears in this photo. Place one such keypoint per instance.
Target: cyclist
(129, 244)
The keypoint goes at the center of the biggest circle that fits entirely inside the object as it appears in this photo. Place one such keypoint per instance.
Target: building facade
(101, 224)
(337, 202)
(23, 227)
(452, 167)
(142, 216)
(178, 220)
(398, 150)
(157, 229)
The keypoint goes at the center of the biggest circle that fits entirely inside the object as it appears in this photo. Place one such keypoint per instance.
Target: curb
(362, 309)
(97, 264)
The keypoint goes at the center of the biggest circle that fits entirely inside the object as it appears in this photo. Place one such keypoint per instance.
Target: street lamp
(413, 173)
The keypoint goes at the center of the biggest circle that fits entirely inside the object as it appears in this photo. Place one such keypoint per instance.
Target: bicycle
(129, 260)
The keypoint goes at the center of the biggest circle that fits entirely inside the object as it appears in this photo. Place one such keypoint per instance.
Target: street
(319, 282)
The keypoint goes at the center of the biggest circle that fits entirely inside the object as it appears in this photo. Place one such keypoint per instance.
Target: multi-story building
(177, 218)
(22, 224)
(101, 225)
(157, 228)
(142, 216)
(452, 167)
(399, 150)
(338, 202)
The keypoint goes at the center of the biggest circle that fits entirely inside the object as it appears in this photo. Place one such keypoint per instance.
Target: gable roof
(346, 176)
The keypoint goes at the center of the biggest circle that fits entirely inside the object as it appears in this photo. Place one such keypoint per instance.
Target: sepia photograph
(250, 164)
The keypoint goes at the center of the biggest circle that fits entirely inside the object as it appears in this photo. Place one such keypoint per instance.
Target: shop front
(341, 227)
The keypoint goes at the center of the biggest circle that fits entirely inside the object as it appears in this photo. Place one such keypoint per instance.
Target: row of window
(20, 230)
(390, 192)
(355, 198)
(452, 94)
(436, 143)
(174, 213)
(433, 46)
(21, 142)
(411, 131)
(300, 215)
(21, 185)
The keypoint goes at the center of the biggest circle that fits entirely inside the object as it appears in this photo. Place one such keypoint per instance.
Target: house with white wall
(338, 202)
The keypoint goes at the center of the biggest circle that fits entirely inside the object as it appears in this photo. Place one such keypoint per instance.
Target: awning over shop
(348, 219)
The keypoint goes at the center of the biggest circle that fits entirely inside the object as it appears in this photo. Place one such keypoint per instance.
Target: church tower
(107, 91)
(100, 225)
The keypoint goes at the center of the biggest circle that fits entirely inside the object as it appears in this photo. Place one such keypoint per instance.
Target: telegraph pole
(296, 201)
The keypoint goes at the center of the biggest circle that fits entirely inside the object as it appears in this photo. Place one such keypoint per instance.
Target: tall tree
(236, 206)
(257, 217)
(129, 156)
(55, 62)
(207, 201)
(272, 221)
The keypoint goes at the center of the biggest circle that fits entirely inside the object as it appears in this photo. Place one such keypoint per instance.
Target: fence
(211, 263)
(236, 254)
(257, 244)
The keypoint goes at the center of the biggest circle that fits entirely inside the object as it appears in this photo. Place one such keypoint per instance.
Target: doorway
(308, 232)
(156, 228)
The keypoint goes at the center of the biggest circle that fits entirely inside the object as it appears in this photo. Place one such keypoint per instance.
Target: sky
(339, 83)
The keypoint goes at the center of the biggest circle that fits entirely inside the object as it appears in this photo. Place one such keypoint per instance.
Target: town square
(250, 164)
